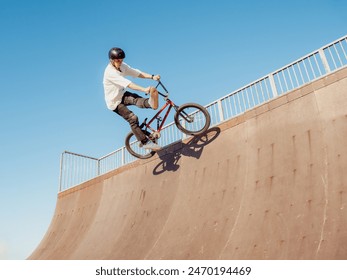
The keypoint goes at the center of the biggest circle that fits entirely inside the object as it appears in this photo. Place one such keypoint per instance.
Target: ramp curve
(269, 184)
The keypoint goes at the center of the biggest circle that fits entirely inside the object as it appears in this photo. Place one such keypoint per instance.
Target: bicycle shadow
(193, 148)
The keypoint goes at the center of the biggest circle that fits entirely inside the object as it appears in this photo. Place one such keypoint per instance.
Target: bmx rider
(118, 98)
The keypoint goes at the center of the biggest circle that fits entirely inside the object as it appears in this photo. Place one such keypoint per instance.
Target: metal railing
(76, 168)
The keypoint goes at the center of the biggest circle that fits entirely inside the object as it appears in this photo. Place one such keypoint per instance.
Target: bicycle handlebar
(161, 84)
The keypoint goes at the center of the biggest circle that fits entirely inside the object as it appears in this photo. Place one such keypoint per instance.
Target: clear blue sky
(53, 54)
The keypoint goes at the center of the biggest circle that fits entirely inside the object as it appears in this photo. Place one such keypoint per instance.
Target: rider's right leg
(133, 121)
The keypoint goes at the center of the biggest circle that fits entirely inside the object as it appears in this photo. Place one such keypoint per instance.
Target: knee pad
(146, 103)
(132, 119)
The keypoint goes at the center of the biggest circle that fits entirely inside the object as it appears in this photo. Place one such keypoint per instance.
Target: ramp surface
(269, 184)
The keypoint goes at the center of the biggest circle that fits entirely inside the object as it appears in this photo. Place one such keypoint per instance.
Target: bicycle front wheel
(134, 147)
(192, 119)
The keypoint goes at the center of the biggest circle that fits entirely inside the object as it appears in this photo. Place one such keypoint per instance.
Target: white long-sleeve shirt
(115, 84)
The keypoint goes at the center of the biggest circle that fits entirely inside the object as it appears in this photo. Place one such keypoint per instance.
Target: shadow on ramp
(193, 148)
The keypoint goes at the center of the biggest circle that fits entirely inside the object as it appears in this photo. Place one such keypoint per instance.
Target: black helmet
(116, 53)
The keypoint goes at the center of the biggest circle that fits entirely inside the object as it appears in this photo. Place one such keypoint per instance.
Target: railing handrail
(109, 154)
(79, 155)
(293, 75)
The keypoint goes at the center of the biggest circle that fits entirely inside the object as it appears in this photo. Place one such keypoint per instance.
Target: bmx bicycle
(190, 118)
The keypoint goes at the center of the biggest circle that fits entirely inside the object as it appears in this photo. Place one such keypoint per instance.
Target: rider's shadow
(170, 156)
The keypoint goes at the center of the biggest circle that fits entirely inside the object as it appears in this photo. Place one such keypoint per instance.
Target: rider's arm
(138, 88)
(144, 75)
(138, 73)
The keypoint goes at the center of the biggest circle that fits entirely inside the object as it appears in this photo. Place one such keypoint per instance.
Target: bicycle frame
(186, 114)
(168, 105)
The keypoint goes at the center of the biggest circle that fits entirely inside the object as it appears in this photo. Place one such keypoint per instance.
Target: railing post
(273, 85)
(324, 60)
(98, 167)
(184, 136)
(220, 110)
(61, 171)
(123, 156)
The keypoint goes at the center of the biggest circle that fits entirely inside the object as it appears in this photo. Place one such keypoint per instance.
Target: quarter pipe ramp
(269, 184)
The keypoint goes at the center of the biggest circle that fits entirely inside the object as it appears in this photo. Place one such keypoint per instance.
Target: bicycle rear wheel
(134, 147)
(192, 119)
